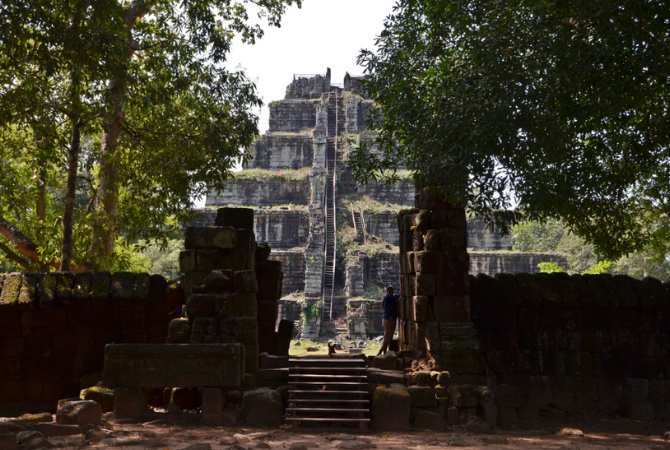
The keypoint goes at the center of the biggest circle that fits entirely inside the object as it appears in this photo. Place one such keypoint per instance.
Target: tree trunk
(40, 209)
(108, 190)
(67, 224)
(20, 242)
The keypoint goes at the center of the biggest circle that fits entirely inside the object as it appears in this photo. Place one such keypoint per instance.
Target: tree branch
(21, 242)
(14, 257)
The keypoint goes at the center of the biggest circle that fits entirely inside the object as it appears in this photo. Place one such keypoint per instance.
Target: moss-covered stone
(34, 418)
(122, 286)
(64, 288)
(11, 289)
(28, 293)
(100, 395)
(141, 287)
(47, 290)
(391, 408)
(81, 291)
(100, 287)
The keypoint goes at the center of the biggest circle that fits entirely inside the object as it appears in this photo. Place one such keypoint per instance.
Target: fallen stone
(343, 437)
(356, 445)
(40, 442)
(263, 445)
(179, 331)
(26, 437)
(461, 440)
(53, 429)
(124, 441)
(94, 435)
(494, 440)
(301, 446)
(443, 378)
(8, 441)
(14, 427)
(33, 418)
(198, 447)
(235, 447)
(101, 395)
(572, 432)
(79, 413)
(63, 401)
(391, 408)
(666, 435)
(262, 407)
(426, 420)
(478, 426)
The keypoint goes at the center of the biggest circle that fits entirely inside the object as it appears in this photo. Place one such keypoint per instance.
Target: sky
(322, 34)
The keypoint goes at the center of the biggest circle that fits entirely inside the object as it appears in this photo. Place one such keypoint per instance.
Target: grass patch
(372, 347)
(268, 175)
(370, 205)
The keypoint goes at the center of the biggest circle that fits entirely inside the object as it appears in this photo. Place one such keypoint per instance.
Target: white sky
(323, 33)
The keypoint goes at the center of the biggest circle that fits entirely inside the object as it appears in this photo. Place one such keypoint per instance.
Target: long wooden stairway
(334, 106)
(328, 392)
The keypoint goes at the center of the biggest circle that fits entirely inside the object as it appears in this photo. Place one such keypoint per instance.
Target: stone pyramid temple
(337, 239)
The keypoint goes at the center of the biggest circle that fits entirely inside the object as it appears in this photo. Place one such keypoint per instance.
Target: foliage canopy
(555, 109)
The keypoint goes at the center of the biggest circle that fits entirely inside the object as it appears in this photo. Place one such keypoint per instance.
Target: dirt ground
(177, 432)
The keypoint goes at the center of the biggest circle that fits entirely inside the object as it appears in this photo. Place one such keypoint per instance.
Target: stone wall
(493, 263)
(401, 193)
(282, 229)
(382, 269)
(592, 343)
(382, 225)
(312, 87)
(278, 228)
(292, 116)
(278, 151)
(293, 266)
(479, 238)
(364, 318)
(261, 193)
(54, 328)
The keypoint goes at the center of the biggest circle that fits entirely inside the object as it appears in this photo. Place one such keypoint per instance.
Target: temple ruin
(337, 240)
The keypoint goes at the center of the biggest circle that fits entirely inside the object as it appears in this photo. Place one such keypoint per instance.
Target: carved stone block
(174, 365)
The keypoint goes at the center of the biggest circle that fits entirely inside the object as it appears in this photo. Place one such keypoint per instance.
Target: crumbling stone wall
(292, 116)
(54, 328)
(313, 87)
(282, 229)
(382, 269)
(293, 266)
(261, 193)
(491, 263)
(481, 238)
(594, 343)
(273, 151)
(401, 193)
(232, 287)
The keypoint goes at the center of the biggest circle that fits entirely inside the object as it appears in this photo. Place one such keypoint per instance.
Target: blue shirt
(390, 305)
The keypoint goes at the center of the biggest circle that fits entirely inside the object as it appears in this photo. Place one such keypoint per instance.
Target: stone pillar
(128, 402)
(212, 404)
(434, 285)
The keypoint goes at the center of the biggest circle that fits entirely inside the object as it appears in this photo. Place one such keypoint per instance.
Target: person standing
(390, 306)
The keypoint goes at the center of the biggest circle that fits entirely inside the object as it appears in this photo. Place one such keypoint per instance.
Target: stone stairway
(329, 392)
(359, 225)
(334, 102)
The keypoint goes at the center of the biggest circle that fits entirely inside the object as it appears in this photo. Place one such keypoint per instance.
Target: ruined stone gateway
(478, 348)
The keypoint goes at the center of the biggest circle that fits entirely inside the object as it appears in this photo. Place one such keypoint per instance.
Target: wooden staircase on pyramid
(328, 392)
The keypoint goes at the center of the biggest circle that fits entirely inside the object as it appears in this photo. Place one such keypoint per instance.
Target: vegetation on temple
(114, 116)
(531, 110)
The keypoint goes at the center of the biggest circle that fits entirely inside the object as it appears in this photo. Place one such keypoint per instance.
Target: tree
(146, 83)
(556, 108)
